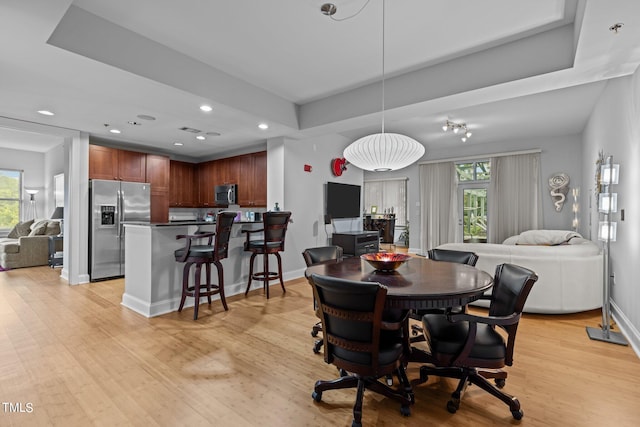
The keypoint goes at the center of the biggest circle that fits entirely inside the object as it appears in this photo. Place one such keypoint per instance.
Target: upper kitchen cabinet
(182, 184)
(252, 180)
(157, 172)
(114, 164)
(206, 182)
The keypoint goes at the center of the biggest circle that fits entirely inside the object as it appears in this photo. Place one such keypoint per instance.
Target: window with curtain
(10, 202)
(387, 195)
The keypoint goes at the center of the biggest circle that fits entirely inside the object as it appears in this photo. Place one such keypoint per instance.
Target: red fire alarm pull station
(338, 166)
(307, 168)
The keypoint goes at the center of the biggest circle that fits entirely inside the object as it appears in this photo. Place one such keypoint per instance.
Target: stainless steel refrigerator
(113, 203)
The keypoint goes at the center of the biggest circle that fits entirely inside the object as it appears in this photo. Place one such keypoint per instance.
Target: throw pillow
(38, 228)
(53, 228)
(21, 229)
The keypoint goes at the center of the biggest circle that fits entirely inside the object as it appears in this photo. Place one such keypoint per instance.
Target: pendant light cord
(383, 7)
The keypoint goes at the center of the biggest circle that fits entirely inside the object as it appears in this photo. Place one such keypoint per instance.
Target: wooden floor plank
(81, 358)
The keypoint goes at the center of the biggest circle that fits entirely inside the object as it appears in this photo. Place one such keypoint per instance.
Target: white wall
(304, 193)
(54, 163)
(614, 128)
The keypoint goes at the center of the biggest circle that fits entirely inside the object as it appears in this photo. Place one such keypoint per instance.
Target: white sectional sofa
(569, 273)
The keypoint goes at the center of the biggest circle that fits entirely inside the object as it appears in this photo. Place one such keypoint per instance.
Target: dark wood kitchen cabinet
(157, 174)
(205, 180)
(115, 164)
(252, 180)
(183, 184)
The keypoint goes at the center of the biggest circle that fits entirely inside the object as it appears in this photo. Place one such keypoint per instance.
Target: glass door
(473, 207)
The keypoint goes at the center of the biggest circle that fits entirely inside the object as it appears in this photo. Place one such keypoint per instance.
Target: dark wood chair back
(274, 231)
(351, 314)
(511, 287)
(224, 222)
(461, 257)
(313, 256)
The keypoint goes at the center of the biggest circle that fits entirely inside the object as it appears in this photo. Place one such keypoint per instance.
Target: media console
(357, 243)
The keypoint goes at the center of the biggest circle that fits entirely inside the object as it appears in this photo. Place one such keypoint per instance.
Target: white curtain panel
(515, 196)
(438, 201)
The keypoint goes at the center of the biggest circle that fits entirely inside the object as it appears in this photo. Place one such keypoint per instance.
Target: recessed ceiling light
(200, 137)
(145, 117)
(114, 131)
(206, 108)
(213, 133)
(46, 113)
(178, 144)
(263, 126)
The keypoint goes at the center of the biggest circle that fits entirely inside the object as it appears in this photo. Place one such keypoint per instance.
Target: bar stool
(274, 230)
(206, 254)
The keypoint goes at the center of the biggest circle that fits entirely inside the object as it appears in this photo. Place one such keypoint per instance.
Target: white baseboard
(626, 327)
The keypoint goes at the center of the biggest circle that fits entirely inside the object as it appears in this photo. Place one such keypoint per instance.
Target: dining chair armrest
(252, 231)
(487, 320)
(397, 323)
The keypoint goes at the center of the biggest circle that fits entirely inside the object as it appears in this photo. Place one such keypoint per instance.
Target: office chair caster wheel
(405, 410)
(317, 396)
(517, 415)
(314, 333)
(500, 382)
(355, 424)
(452, 407)
(317, 346)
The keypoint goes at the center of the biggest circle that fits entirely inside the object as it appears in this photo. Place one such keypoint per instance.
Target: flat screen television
(343, 200)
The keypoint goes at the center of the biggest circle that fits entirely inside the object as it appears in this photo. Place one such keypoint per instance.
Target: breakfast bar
(153, 278)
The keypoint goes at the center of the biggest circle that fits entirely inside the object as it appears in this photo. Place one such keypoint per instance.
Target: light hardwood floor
(78, 358)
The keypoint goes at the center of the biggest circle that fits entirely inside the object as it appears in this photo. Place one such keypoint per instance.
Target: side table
(56, 251)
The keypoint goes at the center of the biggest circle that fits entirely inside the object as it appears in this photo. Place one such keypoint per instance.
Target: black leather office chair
(318, 255)
(358, 342)
(460, 257)
(274, 230)
(205, 254)
(469, 348)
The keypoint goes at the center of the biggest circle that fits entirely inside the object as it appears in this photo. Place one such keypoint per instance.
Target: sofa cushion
(21, 229)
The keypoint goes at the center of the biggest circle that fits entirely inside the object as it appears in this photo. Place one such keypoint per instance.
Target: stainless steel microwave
(225, 194)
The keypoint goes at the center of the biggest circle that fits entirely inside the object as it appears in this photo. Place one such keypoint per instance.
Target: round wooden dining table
(419, 283)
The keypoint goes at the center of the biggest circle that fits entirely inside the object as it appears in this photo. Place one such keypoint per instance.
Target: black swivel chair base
(404, 396)
(478, 377)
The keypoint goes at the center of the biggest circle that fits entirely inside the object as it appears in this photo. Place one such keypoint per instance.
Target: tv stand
(357, 243)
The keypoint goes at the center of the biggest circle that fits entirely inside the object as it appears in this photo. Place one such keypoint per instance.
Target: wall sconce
(607, 231)
(609, 173)
(608, 202)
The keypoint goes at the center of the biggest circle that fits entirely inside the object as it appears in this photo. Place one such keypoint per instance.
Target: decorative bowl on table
(385, 261)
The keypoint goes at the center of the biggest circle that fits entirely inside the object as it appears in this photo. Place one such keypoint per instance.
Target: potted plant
(404, 236)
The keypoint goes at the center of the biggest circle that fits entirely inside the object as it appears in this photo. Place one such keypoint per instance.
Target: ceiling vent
(190, 130)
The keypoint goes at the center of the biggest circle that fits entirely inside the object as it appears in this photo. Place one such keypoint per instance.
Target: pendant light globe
(384, 152)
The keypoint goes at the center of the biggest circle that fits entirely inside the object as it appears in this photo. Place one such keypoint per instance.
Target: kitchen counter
(188, 223)
(153, 278)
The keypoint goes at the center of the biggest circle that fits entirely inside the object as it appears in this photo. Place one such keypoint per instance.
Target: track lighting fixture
(457, 128)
